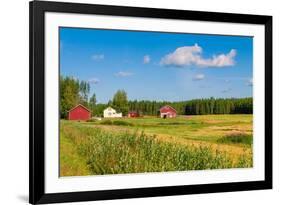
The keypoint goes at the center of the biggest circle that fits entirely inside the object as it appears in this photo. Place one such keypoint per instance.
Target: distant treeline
(197, 106)
(73, 92)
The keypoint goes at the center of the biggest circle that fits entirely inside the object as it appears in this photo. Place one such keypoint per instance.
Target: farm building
(79, 112)
(167, 112)
(111, 113)
(133, 114)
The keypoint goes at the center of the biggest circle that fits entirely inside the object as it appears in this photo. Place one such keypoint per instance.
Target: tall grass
(107, 153)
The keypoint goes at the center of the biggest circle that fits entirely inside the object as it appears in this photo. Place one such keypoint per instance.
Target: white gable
(110, 112)
(109, 109)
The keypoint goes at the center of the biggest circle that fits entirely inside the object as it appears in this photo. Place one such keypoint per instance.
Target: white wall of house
(111, 113)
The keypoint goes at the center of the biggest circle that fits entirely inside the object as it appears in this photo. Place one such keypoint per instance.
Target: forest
(74, 91)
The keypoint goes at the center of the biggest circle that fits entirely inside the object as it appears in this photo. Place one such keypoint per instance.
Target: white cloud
(146, 59)
(250, 82)
(94, 80)
(123, 74)
(198, 77)
(97, 57)
(192, 55)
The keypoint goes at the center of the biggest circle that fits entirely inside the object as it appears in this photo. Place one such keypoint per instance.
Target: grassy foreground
(134, 146)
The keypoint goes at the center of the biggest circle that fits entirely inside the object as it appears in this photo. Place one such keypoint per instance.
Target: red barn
(79, 112)
(133, 114)
(167, 112)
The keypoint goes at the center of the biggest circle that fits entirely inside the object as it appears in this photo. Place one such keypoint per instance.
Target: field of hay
(151, 144)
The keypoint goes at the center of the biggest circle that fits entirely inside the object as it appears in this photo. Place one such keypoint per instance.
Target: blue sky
(158, 66)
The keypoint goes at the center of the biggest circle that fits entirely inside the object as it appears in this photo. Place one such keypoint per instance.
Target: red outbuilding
(79, 112)
(167, 112)
(133, 114)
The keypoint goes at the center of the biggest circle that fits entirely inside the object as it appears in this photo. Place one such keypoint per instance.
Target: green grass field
(150, 144)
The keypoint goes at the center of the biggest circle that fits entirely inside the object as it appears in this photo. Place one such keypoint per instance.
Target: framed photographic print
(140, 102)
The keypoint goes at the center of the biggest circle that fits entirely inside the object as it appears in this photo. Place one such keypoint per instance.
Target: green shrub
(116, 122)
(106, 122)
(239, 138)
(124, 123)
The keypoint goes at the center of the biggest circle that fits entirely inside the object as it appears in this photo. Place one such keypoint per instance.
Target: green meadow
(151, 144)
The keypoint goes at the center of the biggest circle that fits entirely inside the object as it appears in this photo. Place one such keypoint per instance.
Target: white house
(110, 112)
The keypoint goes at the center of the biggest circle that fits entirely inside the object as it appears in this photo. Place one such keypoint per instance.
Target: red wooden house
(167, 112)
(133, 114)
(79, 112)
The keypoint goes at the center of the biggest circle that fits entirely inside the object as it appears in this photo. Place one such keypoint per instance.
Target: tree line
(197, 106)
(73, 92)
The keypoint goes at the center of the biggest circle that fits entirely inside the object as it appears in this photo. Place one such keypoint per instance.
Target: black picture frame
(37, 193)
